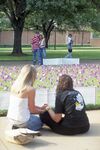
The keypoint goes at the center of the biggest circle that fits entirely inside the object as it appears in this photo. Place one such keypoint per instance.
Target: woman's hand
(44, 106)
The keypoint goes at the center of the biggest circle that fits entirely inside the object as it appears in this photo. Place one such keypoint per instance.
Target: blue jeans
(44, 52)
(35, 55)
(38, 54)
(69, 46)
(34, 123)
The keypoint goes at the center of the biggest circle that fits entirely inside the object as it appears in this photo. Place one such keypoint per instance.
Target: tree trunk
(17, 50)
(47, 36)
(47, 30)
(82, 42)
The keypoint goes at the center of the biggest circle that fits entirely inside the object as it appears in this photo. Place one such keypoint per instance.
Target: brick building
(80, 38)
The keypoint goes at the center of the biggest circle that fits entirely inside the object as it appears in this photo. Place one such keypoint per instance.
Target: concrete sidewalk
(50, 140)
(21, 63)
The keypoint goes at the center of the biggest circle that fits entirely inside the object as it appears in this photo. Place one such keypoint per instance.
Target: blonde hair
(65, 83)
(25, 79)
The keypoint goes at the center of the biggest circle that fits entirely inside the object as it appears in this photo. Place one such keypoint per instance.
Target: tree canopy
(64, 14)
(4, 21)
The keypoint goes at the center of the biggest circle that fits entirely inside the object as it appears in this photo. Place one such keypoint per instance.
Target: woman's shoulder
(30, 89)
(67, 92)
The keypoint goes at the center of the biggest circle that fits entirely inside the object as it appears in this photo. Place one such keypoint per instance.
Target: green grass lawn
(98, 96)
(78, 52)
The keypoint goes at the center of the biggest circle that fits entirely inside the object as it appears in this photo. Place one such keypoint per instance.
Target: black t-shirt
(71, 103)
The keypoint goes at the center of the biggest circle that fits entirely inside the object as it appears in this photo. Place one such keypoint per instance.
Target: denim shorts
(34, 123)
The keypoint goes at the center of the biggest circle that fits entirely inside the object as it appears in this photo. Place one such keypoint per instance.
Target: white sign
(4, 100)
(89, 94)
(44, 96)
(49, 95)
(41, 97)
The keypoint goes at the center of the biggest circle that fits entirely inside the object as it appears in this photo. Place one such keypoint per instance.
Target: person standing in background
(69, 43)
(35, 43)
(42, 49)
(42, 45)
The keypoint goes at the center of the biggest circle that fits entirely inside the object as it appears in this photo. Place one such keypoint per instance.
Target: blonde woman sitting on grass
(22, 109)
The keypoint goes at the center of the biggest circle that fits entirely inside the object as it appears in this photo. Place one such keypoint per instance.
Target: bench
(61, 61)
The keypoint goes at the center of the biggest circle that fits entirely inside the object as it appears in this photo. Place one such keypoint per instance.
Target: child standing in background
(69, 43)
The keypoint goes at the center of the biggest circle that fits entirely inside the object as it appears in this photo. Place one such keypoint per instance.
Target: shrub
(92, 107)
(3, 113)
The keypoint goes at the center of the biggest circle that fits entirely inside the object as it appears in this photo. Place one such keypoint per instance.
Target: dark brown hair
(65, 83)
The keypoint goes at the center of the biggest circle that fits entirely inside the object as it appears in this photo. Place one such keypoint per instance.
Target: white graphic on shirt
(79, 103)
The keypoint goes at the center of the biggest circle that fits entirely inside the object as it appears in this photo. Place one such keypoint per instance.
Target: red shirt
(35, 42)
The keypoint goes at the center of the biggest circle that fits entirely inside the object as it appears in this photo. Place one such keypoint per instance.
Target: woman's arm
(55, 116)
(31, 103)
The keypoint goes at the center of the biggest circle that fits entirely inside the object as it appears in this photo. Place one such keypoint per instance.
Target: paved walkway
(13, 63)
(49, 140)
